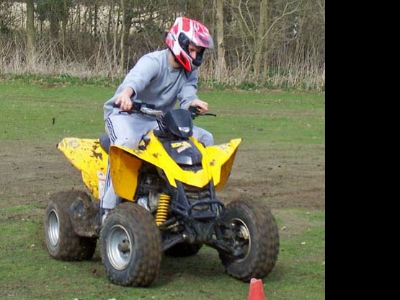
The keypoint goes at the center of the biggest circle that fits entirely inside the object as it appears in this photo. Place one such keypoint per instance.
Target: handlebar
(149, 109)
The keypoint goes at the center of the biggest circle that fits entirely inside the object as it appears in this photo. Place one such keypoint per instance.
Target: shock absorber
(162, 210)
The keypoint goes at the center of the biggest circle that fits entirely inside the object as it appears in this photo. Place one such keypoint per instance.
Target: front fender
(125, 163)
(221, 158)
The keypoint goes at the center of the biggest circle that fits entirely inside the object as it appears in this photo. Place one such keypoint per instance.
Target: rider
(159, 78)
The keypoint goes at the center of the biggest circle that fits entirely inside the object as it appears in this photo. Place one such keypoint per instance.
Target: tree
(123, 37)
(262, 38)
(221, 63)
(30, 32)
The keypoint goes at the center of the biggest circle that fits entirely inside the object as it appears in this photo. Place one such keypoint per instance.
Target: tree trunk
(95, 17)
(261, 37)
(221, 63)
(54, 22)
(64, 21)
(122, 42)
(30, 32)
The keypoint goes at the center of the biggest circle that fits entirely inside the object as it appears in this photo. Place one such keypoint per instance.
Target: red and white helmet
(184, 32)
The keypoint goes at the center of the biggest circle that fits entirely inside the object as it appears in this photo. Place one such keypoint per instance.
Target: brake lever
(194, 111)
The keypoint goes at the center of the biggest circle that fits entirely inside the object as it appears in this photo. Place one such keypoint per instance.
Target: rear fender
(88, 157)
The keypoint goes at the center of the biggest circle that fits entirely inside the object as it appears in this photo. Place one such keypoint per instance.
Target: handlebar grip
(194, 109)
(137, 106)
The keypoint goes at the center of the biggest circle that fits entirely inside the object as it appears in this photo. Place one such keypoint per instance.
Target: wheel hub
(119, 247)
(53, 229)
(241, 237)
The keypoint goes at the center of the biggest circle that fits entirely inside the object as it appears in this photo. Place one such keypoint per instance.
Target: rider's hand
(124, 99)
(202, 106)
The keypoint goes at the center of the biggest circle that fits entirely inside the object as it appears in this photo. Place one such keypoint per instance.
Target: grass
(45, 112)
(290, 124)
(51, 108)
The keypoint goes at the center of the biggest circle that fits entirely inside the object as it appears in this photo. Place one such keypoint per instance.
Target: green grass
(30, 109)
(285, 121)
(299, 273)
(275, 116)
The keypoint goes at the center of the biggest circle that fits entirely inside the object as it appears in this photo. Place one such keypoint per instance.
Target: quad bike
(168, 205)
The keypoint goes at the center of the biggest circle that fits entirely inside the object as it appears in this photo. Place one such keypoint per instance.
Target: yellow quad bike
(168, 206)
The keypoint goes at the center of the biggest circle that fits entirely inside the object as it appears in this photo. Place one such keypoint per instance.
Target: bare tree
(122, 38)
(262, 37)
(30, 32)
(261, 42)
(221, 63)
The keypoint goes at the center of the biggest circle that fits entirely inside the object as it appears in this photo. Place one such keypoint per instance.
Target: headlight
(184, 129)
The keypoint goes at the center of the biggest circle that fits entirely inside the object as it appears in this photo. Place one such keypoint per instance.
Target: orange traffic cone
(256, 291)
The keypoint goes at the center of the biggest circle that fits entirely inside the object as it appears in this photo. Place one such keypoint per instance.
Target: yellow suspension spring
(162, 210)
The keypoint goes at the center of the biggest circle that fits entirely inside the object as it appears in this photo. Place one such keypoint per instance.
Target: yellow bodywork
(88, 157)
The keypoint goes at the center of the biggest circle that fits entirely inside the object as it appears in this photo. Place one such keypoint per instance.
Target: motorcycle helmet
(184, 32)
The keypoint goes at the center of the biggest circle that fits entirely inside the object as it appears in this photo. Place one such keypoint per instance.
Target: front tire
(131, 246)
(254, 231)
(61, 240)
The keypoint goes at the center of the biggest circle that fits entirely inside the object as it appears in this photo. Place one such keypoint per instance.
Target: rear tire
(61, 240)
(131, 246)
(255, 232)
